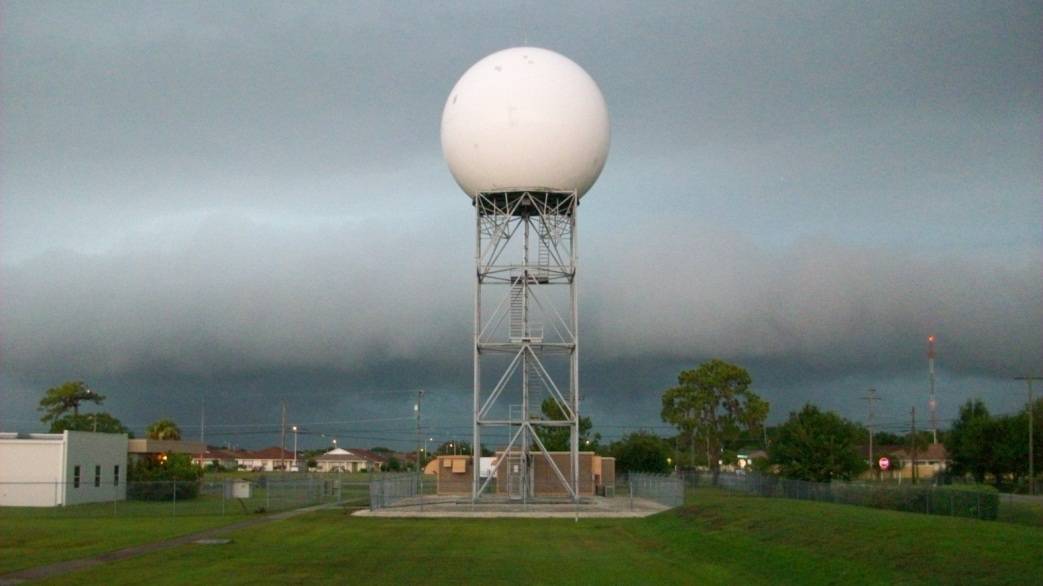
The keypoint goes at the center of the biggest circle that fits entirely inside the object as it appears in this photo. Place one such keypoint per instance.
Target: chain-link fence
(225, 496)
(950, 500)
(387, 490)
(664, 489)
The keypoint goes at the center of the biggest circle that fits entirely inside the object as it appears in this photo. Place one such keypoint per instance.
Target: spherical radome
(525, 118)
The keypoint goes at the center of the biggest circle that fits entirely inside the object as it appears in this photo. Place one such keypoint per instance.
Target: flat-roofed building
(456, 473)
(59, 469)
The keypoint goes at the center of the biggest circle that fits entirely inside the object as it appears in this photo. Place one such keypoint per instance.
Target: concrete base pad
(589, 508)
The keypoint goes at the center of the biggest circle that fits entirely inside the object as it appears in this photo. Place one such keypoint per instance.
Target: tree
(392, 465)
(885, 438)
(57, 401)
(641, 451)
(970, 443)
(1010, 447)
(556, 439)
(157, 479)
(454, 447)
(711, 405)
(100, 422)
(163, 429)
(817, 445)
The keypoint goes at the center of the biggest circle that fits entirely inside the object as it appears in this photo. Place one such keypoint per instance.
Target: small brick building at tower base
(455, 474)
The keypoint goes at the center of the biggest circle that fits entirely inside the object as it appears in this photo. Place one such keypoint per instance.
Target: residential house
(267, 460)
(353, 460)
(220, 458)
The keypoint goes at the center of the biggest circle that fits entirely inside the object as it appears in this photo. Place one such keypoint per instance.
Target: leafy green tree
(392, 465)
(100, 422)
(556, 439)
(157, 478)
(57, 401)
(163, 429)
(1010, 449)
(817, 445)
(884, 438)
(970, 441)
(452, 447)
(641, 451)
(711, 405)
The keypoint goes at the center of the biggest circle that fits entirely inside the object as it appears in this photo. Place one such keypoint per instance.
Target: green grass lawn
(717, 538)
(1025, 513)
(27, 541)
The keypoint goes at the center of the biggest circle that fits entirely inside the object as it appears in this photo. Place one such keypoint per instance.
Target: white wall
(31, 470)
(90, 450)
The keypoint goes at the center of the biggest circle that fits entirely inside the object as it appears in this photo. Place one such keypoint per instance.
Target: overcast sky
(248, 201)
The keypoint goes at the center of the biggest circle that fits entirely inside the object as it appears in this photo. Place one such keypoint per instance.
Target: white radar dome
(525, 118)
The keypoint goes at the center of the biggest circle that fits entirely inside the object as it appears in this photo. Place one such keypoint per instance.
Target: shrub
(980, 502)
(163, 478)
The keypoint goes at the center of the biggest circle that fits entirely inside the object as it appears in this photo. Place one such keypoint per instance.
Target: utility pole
(1032, 471)
(202, 431)
(419, 469)
(914, 445)
(870, 399)
(282, 444)
(932, 401)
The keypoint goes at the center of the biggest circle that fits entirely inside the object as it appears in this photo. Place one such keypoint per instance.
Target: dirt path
(59, 568)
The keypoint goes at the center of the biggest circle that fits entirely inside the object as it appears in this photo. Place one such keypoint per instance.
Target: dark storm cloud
(242, 296)
(208, 190)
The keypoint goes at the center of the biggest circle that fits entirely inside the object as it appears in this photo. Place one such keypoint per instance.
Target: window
(116, 475)
(97, 476)
(75, 476)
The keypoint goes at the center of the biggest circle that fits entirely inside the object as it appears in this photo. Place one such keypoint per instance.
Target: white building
(69, 468)
(341, 460)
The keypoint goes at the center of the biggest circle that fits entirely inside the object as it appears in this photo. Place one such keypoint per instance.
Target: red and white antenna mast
(932, 402)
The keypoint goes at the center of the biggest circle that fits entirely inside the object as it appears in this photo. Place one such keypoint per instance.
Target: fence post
(173, 502)
(630, 483)
(267, 495)
(224, 494)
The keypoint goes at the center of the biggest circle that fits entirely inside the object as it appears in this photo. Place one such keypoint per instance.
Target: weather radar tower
(525, 132)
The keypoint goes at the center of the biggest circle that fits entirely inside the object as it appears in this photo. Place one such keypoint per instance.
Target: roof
(354, 454)
(219, 454)
(267, 454)
(153, 446)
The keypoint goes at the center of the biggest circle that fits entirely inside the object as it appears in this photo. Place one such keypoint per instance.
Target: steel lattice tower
(525, 254)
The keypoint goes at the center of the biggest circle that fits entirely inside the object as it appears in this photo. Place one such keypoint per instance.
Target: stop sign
(884, 463)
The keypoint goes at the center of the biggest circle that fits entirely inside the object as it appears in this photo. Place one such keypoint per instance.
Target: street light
(296, 468)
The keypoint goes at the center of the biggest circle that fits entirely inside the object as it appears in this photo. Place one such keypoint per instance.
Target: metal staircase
(517, 316)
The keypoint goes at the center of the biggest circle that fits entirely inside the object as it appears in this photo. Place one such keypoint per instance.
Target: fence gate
(514, 477)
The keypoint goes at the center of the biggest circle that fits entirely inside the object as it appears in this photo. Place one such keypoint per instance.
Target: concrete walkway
(59, 568)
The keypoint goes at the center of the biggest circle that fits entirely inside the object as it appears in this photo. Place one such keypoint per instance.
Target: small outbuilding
(456, 473)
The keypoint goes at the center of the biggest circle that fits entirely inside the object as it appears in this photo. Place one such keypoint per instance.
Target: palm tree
(164, 429)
